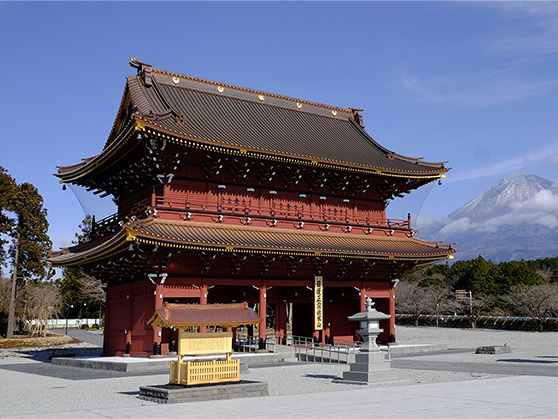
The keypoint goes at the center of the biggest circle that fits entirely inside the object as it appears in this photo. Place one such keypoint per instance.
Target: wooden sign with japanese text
(318, 303)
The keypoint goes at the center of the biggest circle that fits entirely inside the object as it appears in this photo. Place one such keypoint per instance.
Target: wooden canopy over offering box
(227, 316)
(181, 316)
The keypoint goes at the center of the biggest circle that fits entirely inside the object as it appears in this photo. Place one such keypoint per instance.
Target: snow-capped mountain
(498, 200)
(515, 219)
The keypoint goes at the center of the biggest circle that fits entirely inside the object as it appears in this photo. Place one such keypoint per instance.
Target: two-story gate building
(226, 194)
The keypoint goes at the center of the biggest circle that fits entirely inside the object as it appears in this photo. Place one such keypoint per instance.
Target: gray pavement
(522, 385)
(509, 397)
(84, 335)
(46, 369)
(527, 367)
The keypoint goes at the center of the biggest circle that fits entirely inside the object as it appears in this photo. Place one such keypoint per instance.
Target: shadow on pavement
(528, 361)
(46, 355)
(326, 376)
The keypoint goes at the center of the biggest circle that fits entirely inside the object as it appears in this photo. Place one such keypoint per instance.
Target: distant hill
(515, 219)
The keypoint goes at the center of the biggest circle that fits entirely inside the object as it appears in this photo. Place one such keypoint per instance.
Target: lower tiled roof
(254, 239)
(248, 239)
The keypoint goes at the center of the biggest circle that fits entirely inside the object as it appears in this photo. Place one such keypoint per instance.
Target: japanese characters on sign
(318, 303)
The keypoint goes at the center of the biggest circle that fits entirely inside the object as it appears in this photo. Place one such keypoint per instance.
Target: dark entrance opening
(303, 319)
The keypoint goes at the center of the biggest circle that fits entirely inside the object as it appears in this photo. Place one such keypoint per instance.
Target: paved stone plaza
(453, 383)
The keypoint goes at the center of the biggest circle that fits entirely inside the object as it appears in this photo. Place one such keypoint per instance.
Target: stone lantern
(371, 364)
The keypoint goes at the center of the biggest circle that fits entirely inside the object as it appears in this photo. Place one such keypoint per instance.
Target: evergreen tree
(30, 232)
(7, 188)
(23, 224)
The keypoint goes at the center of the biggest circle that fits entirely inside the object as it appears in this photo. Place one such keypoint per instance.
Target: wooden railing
(281, 210)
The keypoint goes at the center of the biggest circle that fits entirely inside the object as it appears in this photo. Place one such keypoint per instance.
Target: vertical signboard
(318, 303)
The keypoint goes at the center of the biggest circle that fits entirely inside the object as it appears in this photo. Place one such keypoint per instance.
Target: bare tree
(474, 307)
(90, 288)
(438, 300)
(411, 299)
(42, 303)
(92, 292)
(539, 302)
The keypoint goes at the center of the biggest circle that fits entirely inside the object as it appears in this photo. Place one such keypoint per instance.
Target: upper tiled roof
(225, 118)
(231, 116)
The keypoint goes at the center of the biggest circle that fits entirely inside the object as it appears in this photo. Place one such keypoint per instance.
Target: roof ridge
(254, 91)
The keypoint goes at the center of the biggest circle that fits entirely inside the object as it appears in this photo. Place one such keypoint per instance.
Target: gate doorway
(303, 319)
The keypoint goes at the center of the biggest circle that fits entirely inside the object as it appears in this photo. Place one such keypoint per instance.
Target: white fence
(61, 323)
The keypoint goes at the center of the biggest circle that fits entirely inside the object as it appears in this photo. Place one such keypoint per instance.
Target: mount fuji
(515, 219)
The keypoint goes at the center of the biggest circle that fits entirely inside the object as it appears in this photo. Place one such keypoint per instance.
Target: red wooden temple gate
(229, 194)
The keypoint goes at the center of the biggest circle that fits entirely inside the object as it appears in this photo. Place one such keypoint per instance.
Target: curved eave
(176, 244)
(152, 128)
(188, 315)
(88, 253)
(245, 239)
(107, 158)
(225, 238)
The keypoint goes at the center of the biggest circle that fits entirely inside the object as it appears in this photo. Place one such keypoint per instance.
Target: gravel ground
(536, 347)
(28, 393)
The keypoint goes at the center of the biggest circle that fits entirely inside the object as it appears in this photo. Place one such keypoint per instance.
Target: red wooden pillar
(263, 312)
(108, 323)
(157, 331)
(204, 289)
(281, 318)
(327, 332)
(316, 336)
(392, 311)
(166, 194)
(130, 304)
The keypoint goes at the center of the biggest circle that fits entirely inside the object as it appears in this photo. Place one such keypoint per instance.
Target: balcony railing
(305, 214)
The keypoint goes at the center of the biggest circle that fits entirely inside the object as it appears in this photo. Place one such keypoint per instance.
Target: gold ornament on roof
(175, 80)
(299, 105)
(220, 89)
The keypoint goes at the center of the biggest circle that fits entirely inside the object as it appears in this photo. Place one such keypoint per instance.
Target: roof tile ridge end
(420, 161)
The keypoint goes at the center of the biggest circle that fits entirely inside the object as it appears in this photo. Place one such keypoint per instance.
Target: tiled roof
(257, 239)
(225, 237)
(205, 113)
(220, 114)
(187, 315)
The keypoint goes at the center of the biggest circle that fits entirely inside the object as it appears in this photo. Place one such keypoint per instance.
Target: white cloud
(423, 220)
(518, 163)
(544, 201)
(454, 227)
(531, 30)
(479, 91)
(540, 35)
(553, 161)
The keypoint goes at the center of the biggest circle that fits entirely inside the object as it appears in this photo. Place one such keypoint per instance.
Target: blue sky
(475, 83)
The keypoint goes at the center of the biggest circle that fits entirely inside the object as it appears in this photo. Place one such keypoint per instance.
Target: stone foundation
(174, 393)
